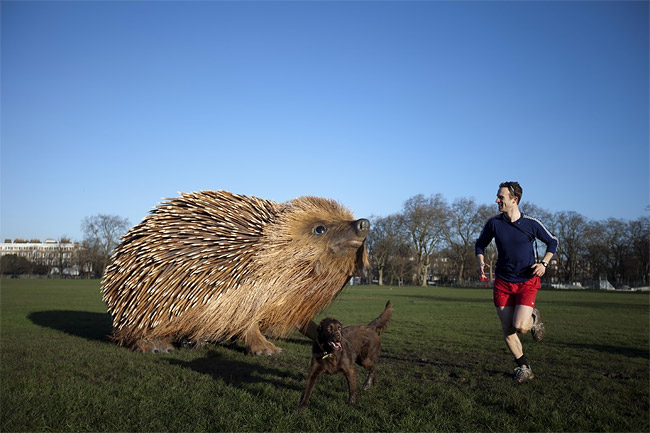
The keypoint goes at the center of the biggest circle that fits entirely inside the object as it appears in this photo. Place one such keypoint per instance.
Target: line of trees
(13, 264)
(88, 259)
(36, 260)
(431, 241)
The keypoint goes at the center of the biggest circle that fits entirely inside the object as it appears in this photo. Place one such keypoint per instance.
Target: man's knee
(522, 327)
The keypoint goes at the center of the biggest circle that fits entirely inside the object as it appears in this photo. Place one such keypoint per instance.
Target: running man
(517, 274)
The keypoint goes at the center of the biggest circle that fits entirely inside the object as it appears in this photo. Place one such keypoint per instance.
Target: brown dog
(337, 349)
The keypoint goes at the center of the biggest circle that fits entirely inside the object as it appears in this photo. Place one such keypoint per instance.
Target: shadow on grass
(440, 298)
(239, 373)
(600, 305)
(92, 326)
(630, 352)
(99, 326)
(452, 369)
(300, 341)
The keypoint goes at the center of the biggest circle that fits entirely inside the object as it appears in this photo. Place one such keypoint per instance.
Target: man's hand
(481, 271)
(538, 269)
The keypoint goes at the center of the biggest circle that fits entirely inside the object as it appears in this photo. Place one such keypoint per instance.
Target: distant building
(49, 253)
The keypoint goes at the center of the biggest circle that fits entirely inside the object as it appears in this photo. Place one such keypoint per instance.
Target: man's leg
(526, 315)
(523, 318)
(507, 314)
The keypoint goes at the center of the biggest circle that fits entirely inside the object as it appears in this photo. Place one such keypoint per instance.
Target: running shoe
(523, 374)
(538, 327)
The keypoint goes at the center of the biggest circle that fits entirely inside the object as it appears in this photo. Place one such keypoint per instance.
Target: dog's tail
(381, 323)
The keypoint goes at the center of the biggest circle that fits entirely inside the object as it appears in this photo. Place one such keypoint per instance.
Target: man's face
(505, 200)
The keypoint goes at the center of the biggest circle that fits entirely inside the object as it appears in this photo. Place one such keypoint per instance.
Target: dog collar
(326, 354)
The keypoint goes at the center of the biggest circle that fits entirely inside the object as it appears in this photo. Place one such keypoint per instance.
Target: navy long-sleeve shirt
(515, 250)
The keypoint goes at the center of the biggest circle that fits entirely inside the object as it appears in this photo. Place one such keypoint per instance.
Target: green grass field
(444, 367)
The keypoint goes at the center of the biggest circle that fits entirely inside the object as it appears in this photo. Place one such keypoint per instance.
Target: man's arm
(539, 269)
(544, 235)
(482, 242)
(547, 237)
(480, 258)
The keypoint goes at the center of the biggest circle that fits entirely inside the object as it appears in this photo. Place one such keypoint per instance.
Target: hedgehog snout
(362, 227)
(350, 239)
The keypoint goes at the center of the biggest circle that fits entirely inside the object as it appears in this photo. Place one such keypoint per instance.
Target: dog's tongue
(336, 345)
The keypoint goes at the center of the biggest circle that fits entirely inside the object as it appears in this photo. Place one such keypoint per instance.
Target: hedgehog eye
(319, 230)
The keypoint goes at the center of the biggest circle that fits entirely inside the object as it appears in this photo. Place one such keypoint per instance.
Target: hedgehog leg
(257, 344)
(153, 345)
(186, 343)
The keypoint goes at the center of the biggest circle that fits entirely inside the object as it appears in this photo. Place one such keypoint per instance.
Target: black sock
(522, 361)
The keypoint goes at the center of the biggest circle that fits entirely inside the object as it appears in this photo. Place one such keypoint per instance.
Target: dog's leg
(371, 379)
(314, 373)
(369, 363)
(351, 376)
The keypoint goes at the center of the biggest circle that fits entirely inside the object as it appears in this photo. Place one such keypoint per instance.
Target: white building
(50, 252)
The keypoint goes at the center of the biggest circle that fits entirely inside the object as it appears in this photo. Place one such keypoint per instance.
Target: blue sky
(109, 107)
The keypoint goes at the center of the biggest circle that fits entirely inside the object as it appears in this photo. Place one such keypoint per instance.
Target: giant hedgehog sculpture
(213, 266)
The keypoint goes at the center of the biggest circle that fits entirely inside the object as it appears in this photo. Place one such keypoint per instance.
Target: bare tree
(596, 252)
(102, 234)
(62, 256)
(639, 265)
(424, 222)
(88, 259)
(466, 219)
(608, 247)
(383, 242)
(400, 265)
(571, 228)
(617, 241)
(535, 211)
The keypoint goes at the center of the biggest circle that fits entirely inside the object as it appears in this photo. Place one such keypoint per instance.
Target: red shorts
(511, 294)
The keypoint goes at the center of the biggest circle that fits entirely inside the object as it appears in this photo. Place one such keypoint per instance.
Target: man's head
(508, 196)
